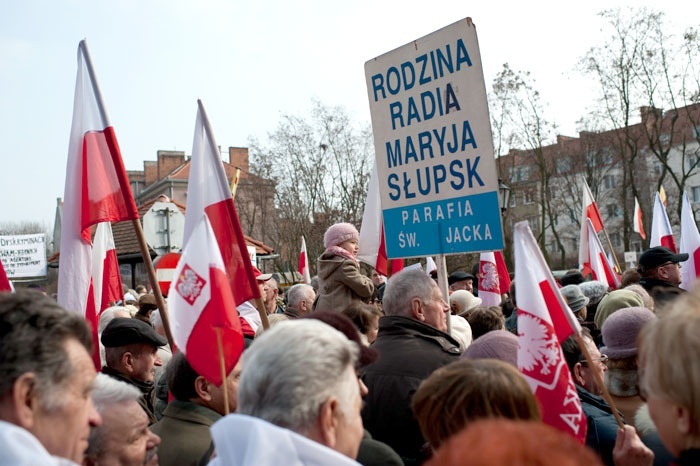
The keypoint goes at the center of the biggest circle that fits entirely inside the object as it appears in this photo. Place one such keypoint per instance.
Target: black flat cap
(125, 331)
(659, 255)
(458, 277)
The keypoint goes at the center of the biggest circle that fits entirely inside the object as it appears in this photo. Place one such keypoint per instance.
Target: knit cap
(594, 290)
(496, 344)
(339, 233)
(465, 300)
(621, 329)
(611, 302)
(574, 297)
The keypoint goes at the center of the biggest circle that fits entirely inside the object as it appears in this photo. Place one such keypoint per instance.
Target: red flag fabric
(638, 225)
(598, 264)
(690, 244)
(589, 210)
(97, 190)
(208, 192)
(661, 232)
(544, 321)
(5, 284)
(372, 247)
(489, 283)
(200, 301)
(304, 262)
(503, 274)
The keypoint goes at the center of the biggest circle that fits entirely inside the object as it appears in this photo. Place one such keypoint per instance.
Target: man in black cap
(131, 354)
(660, 269)
(461, 281)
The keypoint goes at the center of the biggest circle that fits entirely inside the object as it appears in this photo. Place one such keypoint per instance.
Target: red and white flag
(503, 274)
(106, 279)
(661, 232)
(638, 226)
(200, 301)
(598, 264)
(372, 247)
(544, 321)
(208, 193)
(97, 190)
(589, 210)
(5, 283)
(690, 244)
(489, 283)
(304, 262)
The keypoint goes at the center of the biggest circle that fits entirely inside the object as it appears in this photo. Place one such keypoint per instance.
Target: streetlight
(504, 195)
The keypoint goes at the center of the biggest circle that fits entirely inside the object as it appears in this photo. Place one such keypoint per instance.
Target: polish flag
(589, 210)
(304, 262)
(106, 279)
(97, 190)
(661, 232)
(489, 283)
(544, 322)
(372, 248)
(690, 244)
(5, 283)
(503, 275)
(598, 264)
(638, 226)
(201, 303)
(208, 193)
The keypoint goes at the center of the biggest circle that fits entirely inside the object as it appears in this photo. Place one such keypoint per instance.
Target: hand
(629, 449)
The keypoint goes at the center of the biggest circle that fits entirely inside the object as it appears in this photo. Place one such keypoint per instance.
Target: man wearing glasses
(660, 269)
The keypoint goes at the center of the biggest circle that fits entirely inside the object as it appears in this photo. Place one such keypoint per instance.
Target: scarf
(338, 251)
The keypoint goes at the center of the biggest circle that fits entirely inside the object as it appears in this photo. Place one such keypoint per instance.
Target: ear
(683, 419)
(201, 386)
(24, 400)
(578, 375)
(417, 309)
(128, 361)
(328, 420)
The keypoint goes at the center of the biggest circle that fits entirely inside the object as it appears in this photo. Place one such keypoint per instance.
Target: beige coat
(340, 283)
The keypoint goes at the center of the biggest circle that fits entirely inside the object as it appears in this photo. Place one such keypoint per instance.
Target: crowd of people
(359, 369)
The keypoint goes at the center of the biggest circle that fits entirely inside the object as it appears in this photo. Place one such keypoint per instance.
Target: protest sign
(24, 256)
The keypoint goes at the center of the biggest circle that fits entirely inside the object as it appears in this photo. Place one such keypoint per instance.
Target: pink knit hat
(339, 233)
(621, 329)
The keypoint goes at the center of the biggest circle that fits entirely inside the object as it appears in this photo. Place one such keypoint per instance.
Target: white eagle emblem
(538, 346)
(489, 277)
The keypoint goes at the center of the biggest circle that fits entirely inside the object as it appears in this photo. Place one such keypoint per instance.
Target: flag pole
(222, 363)
(599, 380)
(612, 251)
(153, 280)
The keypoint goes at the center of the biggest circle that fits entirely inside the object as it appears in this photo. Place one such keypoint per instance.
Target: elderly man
(412, 343)
(46, 375)
(123, 438)
(198, 403)
(131, 353)
(461, 281)
(300, 300)
(661, 274)
(270, 298)
(296, 404)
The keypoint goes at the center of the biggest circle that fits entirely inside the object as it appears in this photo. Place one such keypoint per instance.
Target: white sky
(249, 64)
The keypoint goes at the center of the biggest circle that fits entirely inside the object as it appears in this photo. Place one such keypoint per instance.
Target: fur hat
(339, 233)
(594, 290)
(465, 300)
(574, 297)
(496, 344)
(621, 329)
(611, 302)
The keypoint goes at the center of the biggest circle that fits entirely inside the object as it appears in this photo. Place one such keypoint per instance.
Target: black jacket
(409, 351)
(661, 292)
(147, 400)
(602, 426)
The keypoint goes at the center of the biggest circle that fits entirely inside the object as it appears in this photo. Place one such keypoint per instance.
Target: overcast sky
(249, 64)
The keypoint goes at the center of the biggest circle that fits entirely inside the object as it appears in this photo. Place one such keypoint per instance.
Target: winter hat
(339, 233)
(594, 290)
(496, 344)
(611, 302)
(621, 329)
(574, 297)
(465, 301)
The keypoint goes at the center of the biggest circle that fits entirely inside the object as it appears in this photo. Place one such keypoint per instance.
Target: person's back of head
(467, 390)
(485, 319)
(402, 288)
(507, 442)
(298, 293)
(298, 372)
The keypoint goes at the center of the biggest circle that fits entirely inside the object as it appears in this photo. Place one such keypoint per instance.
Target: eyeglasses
(603, 359)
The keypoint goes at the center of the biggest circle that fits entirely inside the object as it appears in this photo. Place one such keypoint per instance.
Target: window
(609, 181)
(528, 196)
(612, 210)
(518, 173)
(657, 168)
(615, 239)
(563, 165)
(692, 162)
(695, 193)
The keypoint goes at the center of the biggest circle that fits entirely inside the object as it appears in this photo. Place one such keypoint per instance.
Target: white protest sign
(432, 137)
(23, 256)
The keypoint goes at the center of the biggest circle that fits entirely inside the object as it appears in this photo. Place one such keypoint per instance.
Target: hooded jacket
(341, 282)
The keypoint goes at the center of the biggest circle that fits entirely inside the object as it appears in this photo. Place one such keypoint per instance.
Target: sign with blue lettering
(432, 138)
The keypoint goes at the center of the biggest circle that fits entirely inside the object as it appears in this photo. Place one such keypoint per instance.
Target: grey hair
(108, 315)
(297, 293)
(292, 369)
(107, 392)
(34, 330)
(402, 288)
